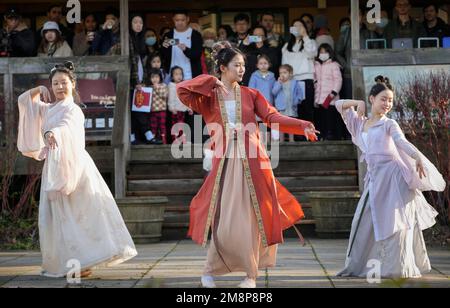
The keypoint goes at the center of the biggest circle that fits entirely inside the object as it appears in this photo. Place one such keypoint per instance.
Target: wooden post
(355, 24)
(362, 168)
(124, 26)
(120, 137)
(9, 106)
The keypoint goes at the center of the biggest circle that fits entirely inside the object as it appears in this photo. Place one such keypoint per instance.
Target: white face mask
(324, 57)
(208, 43)
(294, 31)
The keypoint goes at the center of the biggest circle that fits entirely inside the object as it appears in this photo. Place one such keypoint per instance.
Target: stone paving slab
(179, 264)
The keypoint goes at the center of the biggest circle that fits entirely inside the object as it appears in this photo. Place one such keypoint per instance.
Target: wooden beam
(391, 57)
(91, 64)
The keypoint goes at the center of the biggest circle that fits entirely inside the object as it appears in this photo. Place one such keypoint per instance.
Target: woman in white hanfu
(386, 237)
(79, 220)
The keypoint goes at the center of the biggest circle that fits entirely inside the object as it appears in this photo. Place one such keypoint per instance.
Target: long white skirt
(403, 255)
(85, 226)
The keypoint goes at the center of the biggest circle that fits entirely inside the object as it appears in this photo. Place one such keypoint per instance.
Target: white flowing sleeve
(433, 179)
(66, 163)
(350, 117)
(30, 141)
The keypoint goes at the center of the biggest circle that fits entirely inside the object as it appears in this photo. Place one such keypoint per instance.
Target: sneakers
(208, 282)
(248, 283)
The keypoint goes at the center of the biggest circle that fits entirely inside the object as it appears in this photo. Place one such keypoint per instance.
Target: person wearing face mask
(344, 50)
(151, 41)
(260, 46)
(299, 53)
(328, 83)
(379, 30)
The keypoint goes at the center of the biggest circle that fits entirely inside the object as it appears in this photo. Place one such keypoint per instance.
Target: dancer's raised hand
(45, 94)
(50, 138)
(221, 87)
(419, 168)
(310, 132)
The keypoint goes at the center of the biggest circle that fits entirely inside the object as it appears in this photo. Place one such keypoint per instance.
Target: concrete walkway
(179, 264)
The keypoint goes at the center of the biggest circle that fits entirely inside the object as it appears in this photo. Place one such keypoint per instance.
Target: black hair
(87, 14)
(50, 7)
(224, 56)
(227, 29)
(240, 17)
(293, 39)
(266, 13)
(259, 27)
(307, 15)
(151, 29)
(162, 31)
(176, 67)
(112, 11)
(67, 68)
(154, 55)
(341, 22)
(181, 12)
(436, 7)
(265, 57)
(328, 49)
(382, 84)
(137, 40)
(155, 71)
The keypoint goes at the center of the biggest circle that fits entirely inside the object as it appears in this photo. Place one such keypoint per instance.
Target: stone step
(192, 169)
(327, 149)
(307, 181)
(278, 173)
(193, 191)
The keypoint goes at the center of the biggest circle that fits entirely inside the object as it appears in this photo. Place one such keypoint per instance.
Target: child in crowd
(176, 107)
(159, 107)
(328, 83)
(155, 62)
(263, 80)
(288, 94)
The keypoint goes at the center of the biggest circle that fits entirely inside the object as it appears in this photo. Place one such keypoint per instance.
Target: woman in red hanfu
(242, 203)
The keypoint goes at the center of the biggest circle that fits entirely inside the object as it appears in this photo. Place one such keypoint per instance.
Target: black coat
(440, 30)
(252, 53)
(22, 43)
(194, 53)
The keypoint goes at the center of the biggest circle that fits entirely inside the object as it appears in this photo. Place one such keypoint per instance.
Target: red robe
(276, 209)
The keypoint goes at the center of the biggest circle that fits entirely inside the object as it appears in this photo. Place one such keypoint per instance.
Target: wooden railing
(117, 66)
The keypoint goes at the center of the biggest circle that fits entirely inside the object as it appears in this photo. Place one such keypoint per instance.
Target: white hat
(50, 25)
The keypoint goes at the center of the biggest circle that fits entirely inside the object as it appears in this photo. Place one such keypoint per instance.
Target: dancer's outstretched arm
(289, 125)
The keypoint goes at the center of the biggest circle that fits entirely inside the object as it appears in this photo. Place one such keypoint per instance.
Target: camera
(173, 42)
(254, 39)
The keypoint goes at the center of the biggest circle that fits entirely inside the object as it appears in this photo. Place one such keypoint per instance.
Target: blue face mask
(344, 28)
(383, 22)
(150, 41)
